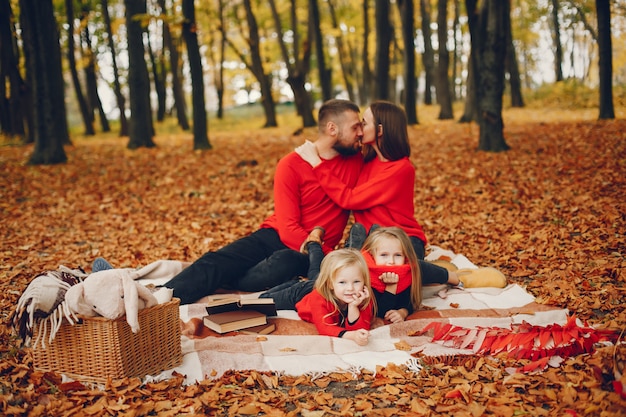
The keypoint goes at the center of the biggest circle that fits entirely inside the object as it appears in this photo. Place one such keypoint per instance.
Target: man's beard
(345, 151)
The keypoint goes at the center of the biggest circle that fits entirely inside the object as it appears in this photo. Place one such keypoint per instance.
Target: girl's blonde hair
(373, 241)
(332, 264)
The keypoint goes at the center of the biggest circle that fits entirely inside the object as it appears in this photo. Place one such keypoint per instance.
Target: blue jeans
(245, 264)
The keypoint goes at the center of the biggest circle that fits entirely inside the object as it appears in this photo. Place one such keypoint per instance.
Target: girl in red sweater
(341, 302)
(394, 272)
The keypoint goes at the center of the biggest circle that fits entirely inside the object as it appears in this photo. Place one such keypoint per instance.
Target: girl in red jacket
(341, 303)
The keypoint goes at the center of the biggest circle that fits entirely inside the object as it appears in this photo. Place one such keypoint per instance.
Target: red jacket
(383, 194)
(300, 202)
(314, 308)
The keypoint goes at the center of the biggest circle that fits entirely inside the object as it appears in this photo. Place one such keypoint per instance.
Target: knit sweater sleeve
(315, 309)
(392, 179)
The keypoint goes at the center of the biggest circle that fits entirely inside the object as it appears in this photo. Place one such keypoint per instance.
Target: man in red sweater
(270, 255)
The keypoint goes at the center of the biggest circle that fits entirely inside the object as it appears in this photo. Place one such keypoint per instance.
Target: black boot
(356, 237)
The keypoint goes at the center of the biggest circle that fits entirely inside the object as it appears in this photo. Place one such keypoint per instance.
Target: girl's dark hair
(394, 142)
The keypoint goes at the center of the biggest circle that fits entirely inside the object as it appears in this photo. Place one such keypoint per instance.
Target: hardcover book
(262, 305)
(229, 321)
(262, 329)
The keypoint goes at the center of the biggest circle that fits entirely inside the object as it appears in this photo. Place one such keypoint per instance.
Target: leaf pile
(550, 213)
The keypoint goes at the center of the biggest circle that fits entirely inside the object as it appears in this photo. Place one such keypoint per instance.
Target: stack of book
(244, 314)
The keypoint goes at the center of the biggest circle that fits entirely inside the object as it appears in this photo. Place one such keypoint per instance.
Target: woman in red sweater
(341, 303)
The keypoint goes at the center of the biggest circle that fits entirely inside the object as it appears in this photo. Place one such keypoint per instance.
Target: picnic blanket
(295, 348)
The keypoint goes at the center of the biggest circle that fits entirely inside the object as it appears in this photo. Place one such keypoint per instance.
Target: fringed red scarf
(403, 271)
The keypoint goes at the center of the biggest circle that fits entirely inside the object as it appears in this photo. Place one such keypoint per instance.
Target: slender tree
(141, 130)
(428, 56)
(254, 62)
(556, 35)
(347, 55)
(91, 76)
(200, 126)
(12, 86)
(488, 39)
(85, 112)
(297, 62)
(325, 73)
(443, 80)
(512, 69)
(40, 38)
(603, 11)
(117, 88)
(407, 8)
(384, 35)
(177, 85)
(366, 87)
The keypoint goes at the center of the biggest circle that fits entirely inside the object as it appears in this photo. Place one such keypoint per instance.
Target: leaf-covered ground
(550, 213)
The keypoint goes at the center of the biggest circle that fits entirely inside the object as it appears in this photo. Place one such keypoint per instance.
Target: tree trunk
(255, 65)
(41, 49)
(158, 77)
(558, 48)
(443, 81)
(91, 79)
(325, 73)
(470, 111)
(603, 10)
(177, 86)
(219, 77)
(488, 40)
(200, 127)
(368, 79)
(71, 58)
(297, 65)
(428, 56)
(117, 89)
(406, 8)
(140, 123)
(347, 57)
(12, 117)
(384, 33)
(513, 69)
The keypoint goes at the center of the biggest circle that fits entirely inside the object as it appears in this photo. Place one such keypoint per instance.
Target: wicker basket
(97, 348)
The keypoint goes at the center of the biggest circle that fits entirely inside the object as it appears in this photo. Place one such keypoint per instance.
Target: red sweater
(383, 194)
(300, 203)
(314, 308)
(404, 273)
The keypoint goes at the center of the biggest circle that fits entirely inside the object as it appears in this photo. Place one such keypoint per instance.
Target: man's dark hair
(333, 109)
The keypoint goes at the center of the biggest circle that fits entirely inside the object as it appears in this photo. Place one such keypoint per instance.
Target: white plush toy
(110, 293)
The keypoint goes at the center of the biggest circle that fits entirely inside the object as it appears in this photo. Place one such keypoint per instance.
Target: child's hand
(394, 316)
(389, 278)
(360, 337)
(360, 297)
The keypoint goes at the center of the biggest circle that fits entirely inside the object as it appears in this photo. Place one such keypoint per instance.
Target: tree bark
(12, 116)
(298, 64)
(91, 78)
(71, 58)
(513, 69)
(117, 88)
(347, 57)
(605, 64)
(428, 56)
(556, 35)
(488, 38)
(200, 127)
(41, 49)
(325, 73)
(384, 33)
(443, 81)
(140, 124)
(406, 8)
(177, 86)
(368, 79)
